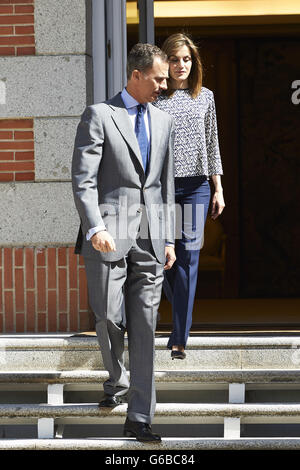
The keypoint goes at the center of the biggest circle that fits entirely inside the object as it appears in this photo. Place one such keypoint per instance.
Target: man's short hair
(141, 57)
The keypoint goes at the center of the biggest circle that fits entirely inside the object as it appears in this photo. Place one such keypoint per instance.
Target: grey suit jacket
(110, 186)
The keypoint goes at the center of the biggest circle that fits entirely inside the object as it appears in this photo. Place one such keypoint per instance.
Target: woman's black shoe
(178, 354)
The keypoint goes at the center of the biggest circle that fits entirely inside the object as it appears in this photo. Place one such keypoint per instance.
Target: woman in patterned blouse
(196, 158)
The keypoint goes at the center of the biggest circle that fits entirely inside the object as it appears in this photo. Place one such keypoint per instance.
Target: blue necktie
(141, 135)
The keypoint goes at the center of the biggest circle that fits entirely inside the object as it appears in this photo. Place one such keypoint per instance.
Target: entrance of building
(252, 70)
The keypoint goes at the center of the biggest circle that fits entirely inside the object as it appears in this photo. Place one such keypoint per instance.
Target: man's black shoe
(110, 401)
(141, 431)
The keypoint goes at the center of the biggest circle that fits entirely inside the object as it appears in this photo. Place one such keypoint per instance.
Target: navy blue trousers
(192, 196)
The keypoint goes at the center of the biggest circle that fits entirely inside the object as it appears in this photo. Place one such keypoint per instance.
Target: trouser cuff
(133, 416)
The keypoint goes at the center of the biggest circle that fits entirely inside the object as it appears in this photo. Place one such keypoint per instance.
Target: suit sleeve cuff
(94, 230)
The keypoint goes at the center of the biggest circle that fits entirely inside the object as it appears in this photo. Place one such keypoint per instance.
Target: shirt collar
(129, 101)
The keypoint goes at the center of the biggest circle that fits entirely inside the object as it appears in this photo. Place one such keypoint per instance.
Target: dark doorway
(252, 76)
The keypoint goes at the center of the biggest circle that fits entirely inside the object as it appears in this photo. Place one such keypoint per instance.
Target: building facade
(46, 82)
(57, 57)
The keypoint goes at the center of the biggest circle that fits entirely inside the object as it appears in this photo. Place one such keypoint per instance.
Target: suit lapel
(122, 121)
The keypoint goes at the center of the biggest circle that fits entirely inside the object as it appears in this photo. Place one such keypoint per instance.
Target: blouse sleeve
(211, 137)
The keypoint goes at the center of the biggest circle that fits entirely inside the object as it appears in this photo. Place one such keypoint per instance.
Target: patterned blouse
(196, 147)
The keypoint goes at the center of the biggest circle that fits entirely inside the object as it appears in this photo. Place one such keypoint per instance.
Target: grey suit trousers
(135, 282)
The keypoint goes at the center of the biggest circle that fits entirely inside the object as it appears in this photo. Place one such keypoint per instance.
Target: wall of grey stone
(53, 87)
(60, 26)
(37, 214)
(44, 85)
(52, 161)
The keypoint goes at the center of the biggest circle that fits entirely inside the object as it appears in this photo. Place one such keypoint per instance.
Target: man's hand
(218, 204)
(170, 257)
(103, 241)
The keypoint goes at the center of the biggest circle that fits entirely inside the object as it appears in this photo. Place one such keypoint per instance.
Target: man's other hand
(170, 257)
(103, 241)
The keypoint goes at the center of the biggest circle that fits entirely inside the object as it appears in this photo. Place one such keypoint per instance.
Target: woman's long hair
(171, 45)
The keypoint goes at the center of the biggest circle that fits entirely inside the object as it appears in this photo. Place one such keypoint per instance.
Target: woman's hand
(217, 201)
(218, 204)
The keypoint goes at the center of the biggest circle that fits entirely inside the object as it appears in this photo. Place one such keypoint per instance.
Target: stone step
(89, 341)
(165, 412)
(70, 361)
(191, 444)
(71, 352)
(226, 376)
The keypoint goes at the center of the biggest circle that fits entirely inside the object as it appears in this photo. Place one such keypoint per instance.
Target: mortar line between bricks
(16, 270)
(68, 287)
(2, 290)
(77, 295)
(14, 287)
(35, 290)
(46, 288)
(57, 287)
(76, 291)
(40, 245)
(25, 290)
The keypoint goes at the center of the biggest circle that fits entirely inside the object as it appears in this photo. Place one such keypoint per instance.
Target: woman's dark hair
(170, 46)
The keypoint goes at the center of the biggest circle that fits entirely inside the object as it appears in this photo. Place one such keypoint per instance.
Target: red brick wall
(17, 27)
(43, 290)
(16, 150)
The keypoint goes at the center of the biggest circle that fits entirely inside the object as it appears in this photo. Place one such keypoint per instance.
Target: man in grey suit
(123, 186)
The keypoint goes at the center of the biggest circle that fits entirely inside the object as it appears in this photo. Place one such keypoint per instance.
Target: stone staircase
(231, 392)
